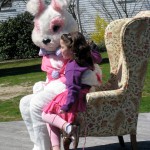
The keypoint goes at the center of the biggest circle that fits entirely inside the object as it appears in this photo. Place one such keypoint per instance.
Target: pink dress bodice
(51, 63)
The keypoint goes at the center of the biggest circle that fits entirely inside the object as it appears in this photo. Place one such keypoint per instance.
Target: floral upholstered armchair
(113, 109)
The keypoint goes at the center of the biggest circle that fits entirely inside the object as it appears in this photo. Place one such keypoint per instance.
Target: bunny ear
(35, 7)
(59, 5)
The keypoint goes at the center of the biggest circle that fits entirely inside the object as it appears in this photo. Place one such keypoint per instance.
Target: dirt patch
(8, 92)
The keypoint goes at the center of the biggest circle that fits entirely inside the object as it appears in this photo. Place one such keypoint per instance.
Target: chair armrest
(104, 87)
(111, 84)
(105, 115)
(103, 96)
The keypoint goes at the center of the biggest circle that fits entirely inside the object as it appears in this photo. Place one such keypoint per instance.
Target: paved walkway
(14, 136)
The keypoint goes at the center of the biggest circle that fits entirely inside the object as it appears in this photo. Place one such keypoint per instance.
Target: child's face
(66, 53)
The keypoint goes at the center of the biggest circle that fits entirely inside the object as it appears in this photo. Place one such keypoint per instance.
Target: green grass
(27, 72)
(20, 63)
(145, 103)
(9, 109)
(104, 55)
(23, 79)
(21, 72)
(105, 68)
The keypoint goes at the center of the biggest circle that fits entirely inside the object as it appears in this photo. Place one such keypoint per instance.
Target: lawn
(27, 72)
(21, 72)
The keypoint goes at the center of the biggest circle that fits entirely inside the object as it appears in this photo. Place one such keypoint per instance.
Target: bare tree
(75, 11)
(7, 2)
(112, 9)
(4, 2)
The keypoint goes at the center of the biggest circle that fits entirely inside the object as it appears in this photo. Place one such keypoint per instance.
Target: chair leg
(133, 141)
(121, 141)
(76, 140)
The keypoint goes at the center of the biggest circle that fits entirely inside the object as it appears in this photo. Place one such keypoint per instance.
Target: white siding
(18, 7)
(5, 15)
(90, 8)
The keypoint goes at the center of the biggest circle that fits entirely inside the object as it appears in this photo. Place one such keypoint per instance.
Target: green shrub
(98, 35)
(100, 25)
(15, 38)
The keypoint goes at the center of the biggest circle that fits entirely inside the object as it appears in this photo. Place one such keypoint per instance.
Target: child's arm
(74, 86)
(73, 81)
(96, 56)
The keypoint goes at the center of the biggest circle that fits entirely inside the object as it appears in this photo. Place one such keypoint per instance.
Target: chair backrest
(135, 42)
(143, 14)
(114, 50)
(114, 40)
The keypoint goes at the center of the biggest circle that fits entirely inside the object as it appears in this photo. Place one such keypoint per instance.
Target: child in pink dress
(63, 109)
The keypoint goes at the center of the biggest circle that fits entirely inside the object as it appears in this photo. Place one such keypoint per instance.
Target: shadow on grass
(105, 61)
(20, 70)
(29, 69)
(142, 145)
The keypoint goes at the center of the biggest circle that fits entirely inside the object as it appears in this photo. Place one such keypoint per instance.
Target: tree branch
(3, 2)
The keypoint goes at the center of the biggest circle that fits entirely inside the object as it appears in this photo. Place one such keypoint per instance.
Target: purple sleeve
(97, 58)
(74, 86)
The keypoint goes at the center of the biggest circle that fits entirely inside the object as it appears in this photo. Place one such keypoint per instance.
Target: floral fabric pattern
(113, 109)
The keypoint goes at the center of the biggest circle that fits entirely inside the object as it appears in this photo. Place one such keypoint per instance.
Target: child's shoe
(75, 137)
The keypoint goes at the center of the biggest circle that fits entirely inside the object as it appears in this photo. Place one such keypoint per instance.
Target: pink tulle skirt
(55, 105)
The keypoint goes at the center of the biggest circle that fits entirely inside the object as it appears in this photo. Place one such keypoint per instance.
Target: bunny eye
(56, 24)
(56, 28)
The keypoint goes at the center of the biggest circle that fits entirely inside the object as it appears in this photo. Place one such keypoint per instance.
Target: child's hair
(76, 42)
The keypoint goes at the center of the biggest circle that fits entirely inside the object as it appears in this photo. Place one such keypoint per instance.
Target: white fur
(33, 6)
(38, 87)
(56, 62)
(54, 87)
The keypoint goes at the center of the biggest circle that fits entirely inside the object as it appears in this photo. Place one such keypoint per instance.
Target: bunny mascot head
(49, 24)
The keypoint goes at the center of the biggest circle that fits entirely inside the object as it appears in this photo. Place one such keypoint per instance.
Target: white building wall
(18, 7)
(90, 8)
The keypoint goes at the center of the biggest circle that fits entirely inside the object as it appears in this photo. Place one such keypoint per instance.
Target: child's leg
(53, 119)
(57, 121)
(55, 124)
(55, 137)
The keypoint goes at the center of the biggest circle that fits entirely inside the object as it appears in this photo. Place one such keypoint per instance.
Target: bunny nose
(46, 41)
